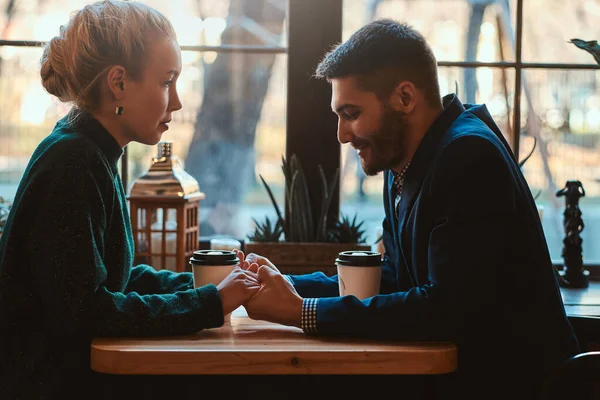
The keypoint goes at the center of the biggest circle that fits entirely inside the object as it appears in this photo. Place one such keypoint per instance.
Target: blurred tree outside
(221, 153)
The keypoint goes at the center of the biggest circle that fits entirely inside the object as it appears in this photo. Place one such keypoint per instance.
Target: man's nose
(343, 133)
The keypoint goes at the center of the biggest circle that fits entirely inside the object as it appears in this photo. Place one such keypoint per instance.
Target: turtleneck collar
(89, 126)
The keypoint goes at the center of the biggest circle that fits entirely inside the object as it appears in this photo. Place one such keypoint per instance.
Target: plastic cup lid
(214, 257)
(359, 258)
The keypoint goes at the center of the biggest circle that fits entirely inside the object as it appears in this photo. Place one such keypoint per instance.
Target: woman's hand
(237, 288)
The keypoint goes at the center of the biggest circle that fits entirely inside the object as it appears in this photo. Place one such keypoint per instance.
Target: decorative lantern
(164, 207)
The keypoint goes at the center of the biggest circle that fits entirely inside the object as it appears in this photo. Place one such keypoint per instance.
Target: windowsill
(582, 301)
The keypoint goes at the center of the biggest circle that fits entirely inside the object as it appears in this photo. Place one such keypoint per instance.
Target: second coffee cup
(359, 273)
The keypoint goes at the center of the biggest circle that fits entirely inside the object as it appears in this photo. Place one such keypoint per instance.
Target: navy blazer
(467, 261)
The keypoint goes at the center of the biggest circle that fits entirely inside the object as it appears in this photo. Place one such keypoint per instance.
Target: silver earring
(119, 110)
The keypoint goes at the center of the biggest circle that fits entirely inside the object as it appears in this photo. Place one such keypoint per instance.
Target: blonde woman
(66, 272)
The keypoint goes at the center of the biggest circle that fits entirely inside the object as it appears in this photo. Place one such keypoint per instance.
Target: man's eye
(168, 83)
(350, 115)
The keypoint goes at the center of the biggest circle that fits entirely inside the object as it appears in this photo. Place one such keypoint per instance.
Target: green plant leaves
(348, 231)
(591, 46)
(266, 231)
(298, 225)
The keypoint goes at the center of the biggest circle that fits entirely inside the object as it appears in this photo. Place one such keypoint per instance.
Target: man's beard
(388, 146)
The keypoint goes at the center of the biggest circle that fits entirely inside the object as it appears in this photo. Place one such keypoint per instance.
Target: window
(232, 86)
(477, 46)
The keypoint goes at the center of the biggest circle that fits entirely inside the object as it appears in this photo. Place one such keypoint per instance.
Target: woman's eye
(168, 83)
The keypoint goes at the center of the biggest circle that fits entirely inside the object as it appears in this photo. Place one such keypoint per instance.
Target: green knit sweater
(66, 273)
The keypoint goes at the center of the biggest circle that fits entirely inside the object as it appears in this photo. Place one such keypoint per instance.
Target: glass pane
(495, 89)
(231, 128)
(143, 246)
(142, 218)
(562, 109)
(196, 22)
(27, 113)
(549, 25)
(457, 30)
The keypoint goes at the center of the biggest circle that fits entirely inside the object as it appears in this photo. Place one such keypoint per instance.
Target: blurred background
(235, 100)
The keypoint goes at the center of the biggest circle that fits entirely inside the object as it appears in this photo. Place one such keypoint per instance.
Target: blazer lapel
(420, 164)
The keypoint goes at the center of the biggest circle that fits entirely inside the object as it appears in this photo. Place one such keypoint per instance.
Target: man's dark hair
(381, 54)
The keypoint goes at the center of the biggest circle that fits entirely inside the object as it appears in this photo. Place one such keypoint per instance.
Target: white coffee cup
(359, 273)
(212, 266)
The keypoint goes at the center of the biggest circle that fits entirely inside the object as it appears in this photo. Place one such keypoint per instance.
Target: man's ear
(116, 81)
(403, 97)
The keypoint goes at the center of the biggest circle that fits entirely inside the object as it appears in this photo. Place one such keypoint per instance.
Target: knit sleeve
(66, 252)
(145, 279)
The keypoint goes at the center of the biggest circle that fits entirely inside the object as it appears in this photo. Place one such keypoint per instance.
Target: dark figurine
(575, 276)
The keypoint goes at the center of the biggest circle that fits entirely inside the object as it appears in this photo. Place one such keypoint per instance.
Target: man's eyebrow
(173, 72)
(341, 108)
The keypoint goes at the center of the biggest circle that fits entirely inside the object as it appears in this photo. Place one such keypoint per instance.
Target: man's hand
(276, 301)
(247, 261)
(237, 288)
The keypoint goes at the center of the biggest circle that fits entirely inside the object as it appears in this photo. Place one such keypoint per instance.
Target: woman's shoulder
(69, 141)
(66, 148)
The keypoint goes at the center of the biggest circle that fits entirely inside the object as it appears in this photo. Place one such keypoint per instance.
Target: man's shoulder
(470, 143)
(470, 136)
(468, 126)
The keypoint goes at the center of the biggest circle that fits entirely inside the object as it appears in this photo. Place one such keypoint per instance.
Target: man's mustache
(360, 143)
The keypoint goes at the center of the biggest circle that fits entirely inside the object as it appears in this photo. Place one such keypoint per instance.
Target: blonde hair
(97, 37)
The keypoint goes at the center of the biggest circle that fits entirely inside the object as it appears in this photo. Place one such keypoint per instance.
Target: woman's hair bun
(54, 70)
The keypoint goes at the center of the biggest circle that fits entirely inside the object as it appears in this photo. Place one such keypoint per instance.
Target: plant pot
(303, 257)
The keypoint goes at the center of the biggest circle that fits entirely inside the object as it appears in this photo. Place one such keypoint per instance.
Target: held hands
(277, 300)
(237, 288)
(252, 258)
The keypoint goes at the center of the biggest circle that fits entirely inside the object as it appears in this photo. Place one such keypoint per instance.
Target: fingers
(243, 263)
(239, 254)
(250, 276)
(265, 272)
(253, 267)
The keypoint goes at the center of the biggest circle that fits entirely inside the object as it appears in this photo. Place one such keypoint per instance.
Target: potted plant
(300, 242)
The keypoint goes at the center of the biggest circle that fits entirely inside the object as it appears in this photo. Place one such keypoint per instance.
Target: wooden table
(257, 347)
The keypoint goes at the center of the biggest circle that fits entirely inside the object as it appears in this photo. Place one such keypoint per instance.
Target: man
(466, 259)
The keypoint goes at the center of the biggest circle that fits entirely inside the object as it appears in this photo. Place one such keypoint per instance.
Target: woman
(66, 272)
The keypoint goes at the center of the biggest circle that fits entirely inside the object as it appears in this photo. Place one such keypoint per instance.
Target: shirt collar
(399, 176)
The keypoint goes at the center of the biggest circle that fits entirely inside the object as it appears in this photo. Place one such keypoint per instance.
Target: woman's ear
(116, 81)
(403, 97)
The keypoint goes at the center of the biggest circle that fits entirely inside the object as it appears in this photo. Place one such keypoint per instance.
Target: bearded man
(466, 259)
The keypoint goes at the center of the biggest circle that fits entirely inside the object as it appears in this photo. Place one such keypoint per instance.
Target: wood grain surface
(257, 347)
